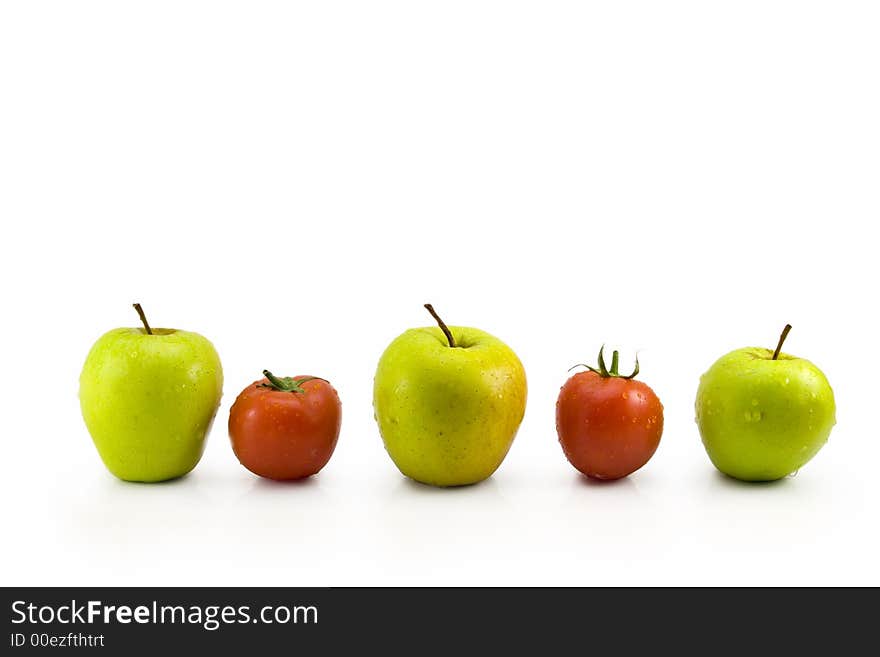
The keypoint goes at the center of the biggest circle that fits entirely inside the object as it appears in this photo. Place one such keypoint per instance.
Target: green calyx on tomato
(606, 372)
(286, 383)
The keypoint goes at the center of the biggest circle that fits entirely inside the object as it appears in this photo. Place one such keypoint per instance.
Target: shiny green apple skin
(762, 419)
(448, 415)
(149, 400)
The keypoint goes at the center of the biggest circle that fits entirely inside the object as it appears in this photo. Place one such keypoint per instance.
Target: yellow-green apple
(148, 397)
(448, 401)
(763, 414)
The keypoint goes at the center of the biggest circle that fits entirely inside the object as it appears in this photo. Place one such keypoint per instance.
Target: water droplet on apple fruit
(625, 396)
(754, 402)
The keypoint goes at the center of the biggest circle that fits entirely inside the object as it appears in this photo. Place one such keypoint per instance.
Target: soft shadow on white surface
(522, 526)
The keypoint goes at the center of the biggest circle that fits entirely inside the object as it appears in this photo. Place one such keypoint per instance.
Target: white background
(294, 181)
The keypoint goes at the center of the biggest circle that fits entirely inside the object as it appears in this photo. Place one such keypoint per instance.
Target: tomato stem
(140, 312)
(603, 370)
(781, 340)
(442, 324)
(286, 383)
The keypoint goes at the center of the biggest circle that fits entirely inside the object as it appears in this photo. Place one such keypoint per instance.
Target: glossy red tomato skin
(608, 427)
(285, 435)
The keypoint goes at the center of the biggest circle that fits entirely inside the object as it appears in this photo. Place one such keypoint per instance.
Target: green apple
(448, 401)
(148, 397)
(763, 414)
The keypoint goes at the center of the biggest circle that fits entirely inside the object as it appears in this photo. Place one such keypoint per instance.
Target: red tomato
(285, 428)
(609, 426)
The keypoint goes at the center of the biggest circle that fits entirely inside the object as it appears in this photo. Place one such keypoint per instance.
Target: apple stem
(781, 340)
(441, 323)
(140, 312)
